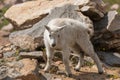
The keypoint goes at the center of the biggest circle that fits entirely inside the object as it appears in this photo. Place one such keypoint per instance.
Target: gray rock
(48, 76)
(25, 69)
(33, 37)
(8, 54)
(34, 54)
(114, 23)
(95, 9)
(107, 33)
(109, 22)
(110, 58)
(3, 72)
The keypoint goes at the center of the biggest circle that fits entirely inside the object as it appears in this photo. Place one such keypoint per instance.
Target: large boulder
(33, 37)
(25, 15)
(32, 12)
(107, 33)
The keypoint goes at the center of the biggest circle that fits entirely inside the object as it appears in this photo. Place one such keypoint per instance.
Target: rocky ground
(22, 67)
(19, 64)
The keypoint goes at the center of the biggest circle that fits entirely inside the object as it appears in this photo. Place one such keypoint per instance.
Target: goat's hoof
(76, 69)
(46, 71)
(101, 72)
(69, 75)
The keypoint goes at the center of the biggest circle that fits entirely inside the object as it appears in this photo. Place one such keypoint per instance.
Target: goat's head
(54, 35)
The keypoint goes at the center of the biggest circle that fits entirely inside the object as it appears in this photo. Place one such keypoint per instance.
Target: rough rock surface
(38, 10)
(33, 37)
(95, 9)
(107, 33)
(8, 28)
(34, 55)
(109, 22)
(110, 58)
(31, 12)
(24, 69)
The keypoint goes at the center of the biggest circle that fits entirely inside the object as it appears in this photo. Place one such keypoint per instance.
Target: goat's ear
(62, 27)
(47, 27)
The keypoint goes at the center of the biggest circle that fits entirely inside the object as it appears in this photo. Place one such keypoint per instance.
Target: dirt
(4, 38)
(87, 73)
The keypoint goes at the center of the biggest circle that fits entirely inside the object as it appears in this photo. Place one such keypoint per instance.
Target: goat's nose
(53, 45)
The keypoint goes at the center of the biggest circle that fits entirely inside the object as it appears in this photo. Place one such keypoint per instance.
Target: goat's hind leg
(87, 47)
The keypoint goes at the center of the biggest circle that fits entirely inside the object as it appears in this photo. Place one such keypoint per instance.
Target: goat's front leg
(49, 54)
(66, 56)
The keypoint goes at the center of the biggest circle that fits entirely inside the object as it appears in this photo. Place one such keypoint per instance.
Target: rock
(33, 37)
(6, 49)
(89, 59)
(107, 33)
(34, 54)
(4, 40)
(8, 54)
(30, 12)
(26, 42)
(94, 67)
(109, 22)
(4, 33)
(1, 5)
(11, 2)
(115, 7)
(1, 55)
(114, 23)
(95, 9)
(24, 69)
(47, 76)
(3, 72)
(8, 28)
(29, 71)
(110, 58)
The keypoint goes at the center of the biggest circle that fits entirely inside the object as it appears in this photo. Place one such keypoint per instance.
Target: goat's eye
(58, 35)
(49, 35)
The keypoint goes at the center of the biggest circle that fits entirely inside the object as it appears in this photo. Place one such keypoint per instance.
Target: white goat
(67, 35)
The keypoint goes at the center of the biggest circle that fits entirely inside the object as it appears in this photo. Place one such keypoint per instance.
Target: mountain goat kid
(68, 35)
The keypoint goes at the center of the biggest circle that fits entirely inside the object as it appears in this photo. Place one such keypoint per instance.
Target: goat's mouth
(53, 45)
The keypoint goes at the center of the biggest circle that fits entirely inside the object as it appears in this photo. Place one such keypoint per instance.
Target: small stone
(41, 66)
(54, 69)
(58, 62)
(89, 59)
(115, 7)
(8, 28)
(3, 72)
(8, 54)
(1, 47)
(94, 67)
(7, 49)
(7, 45)
(1, 55)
